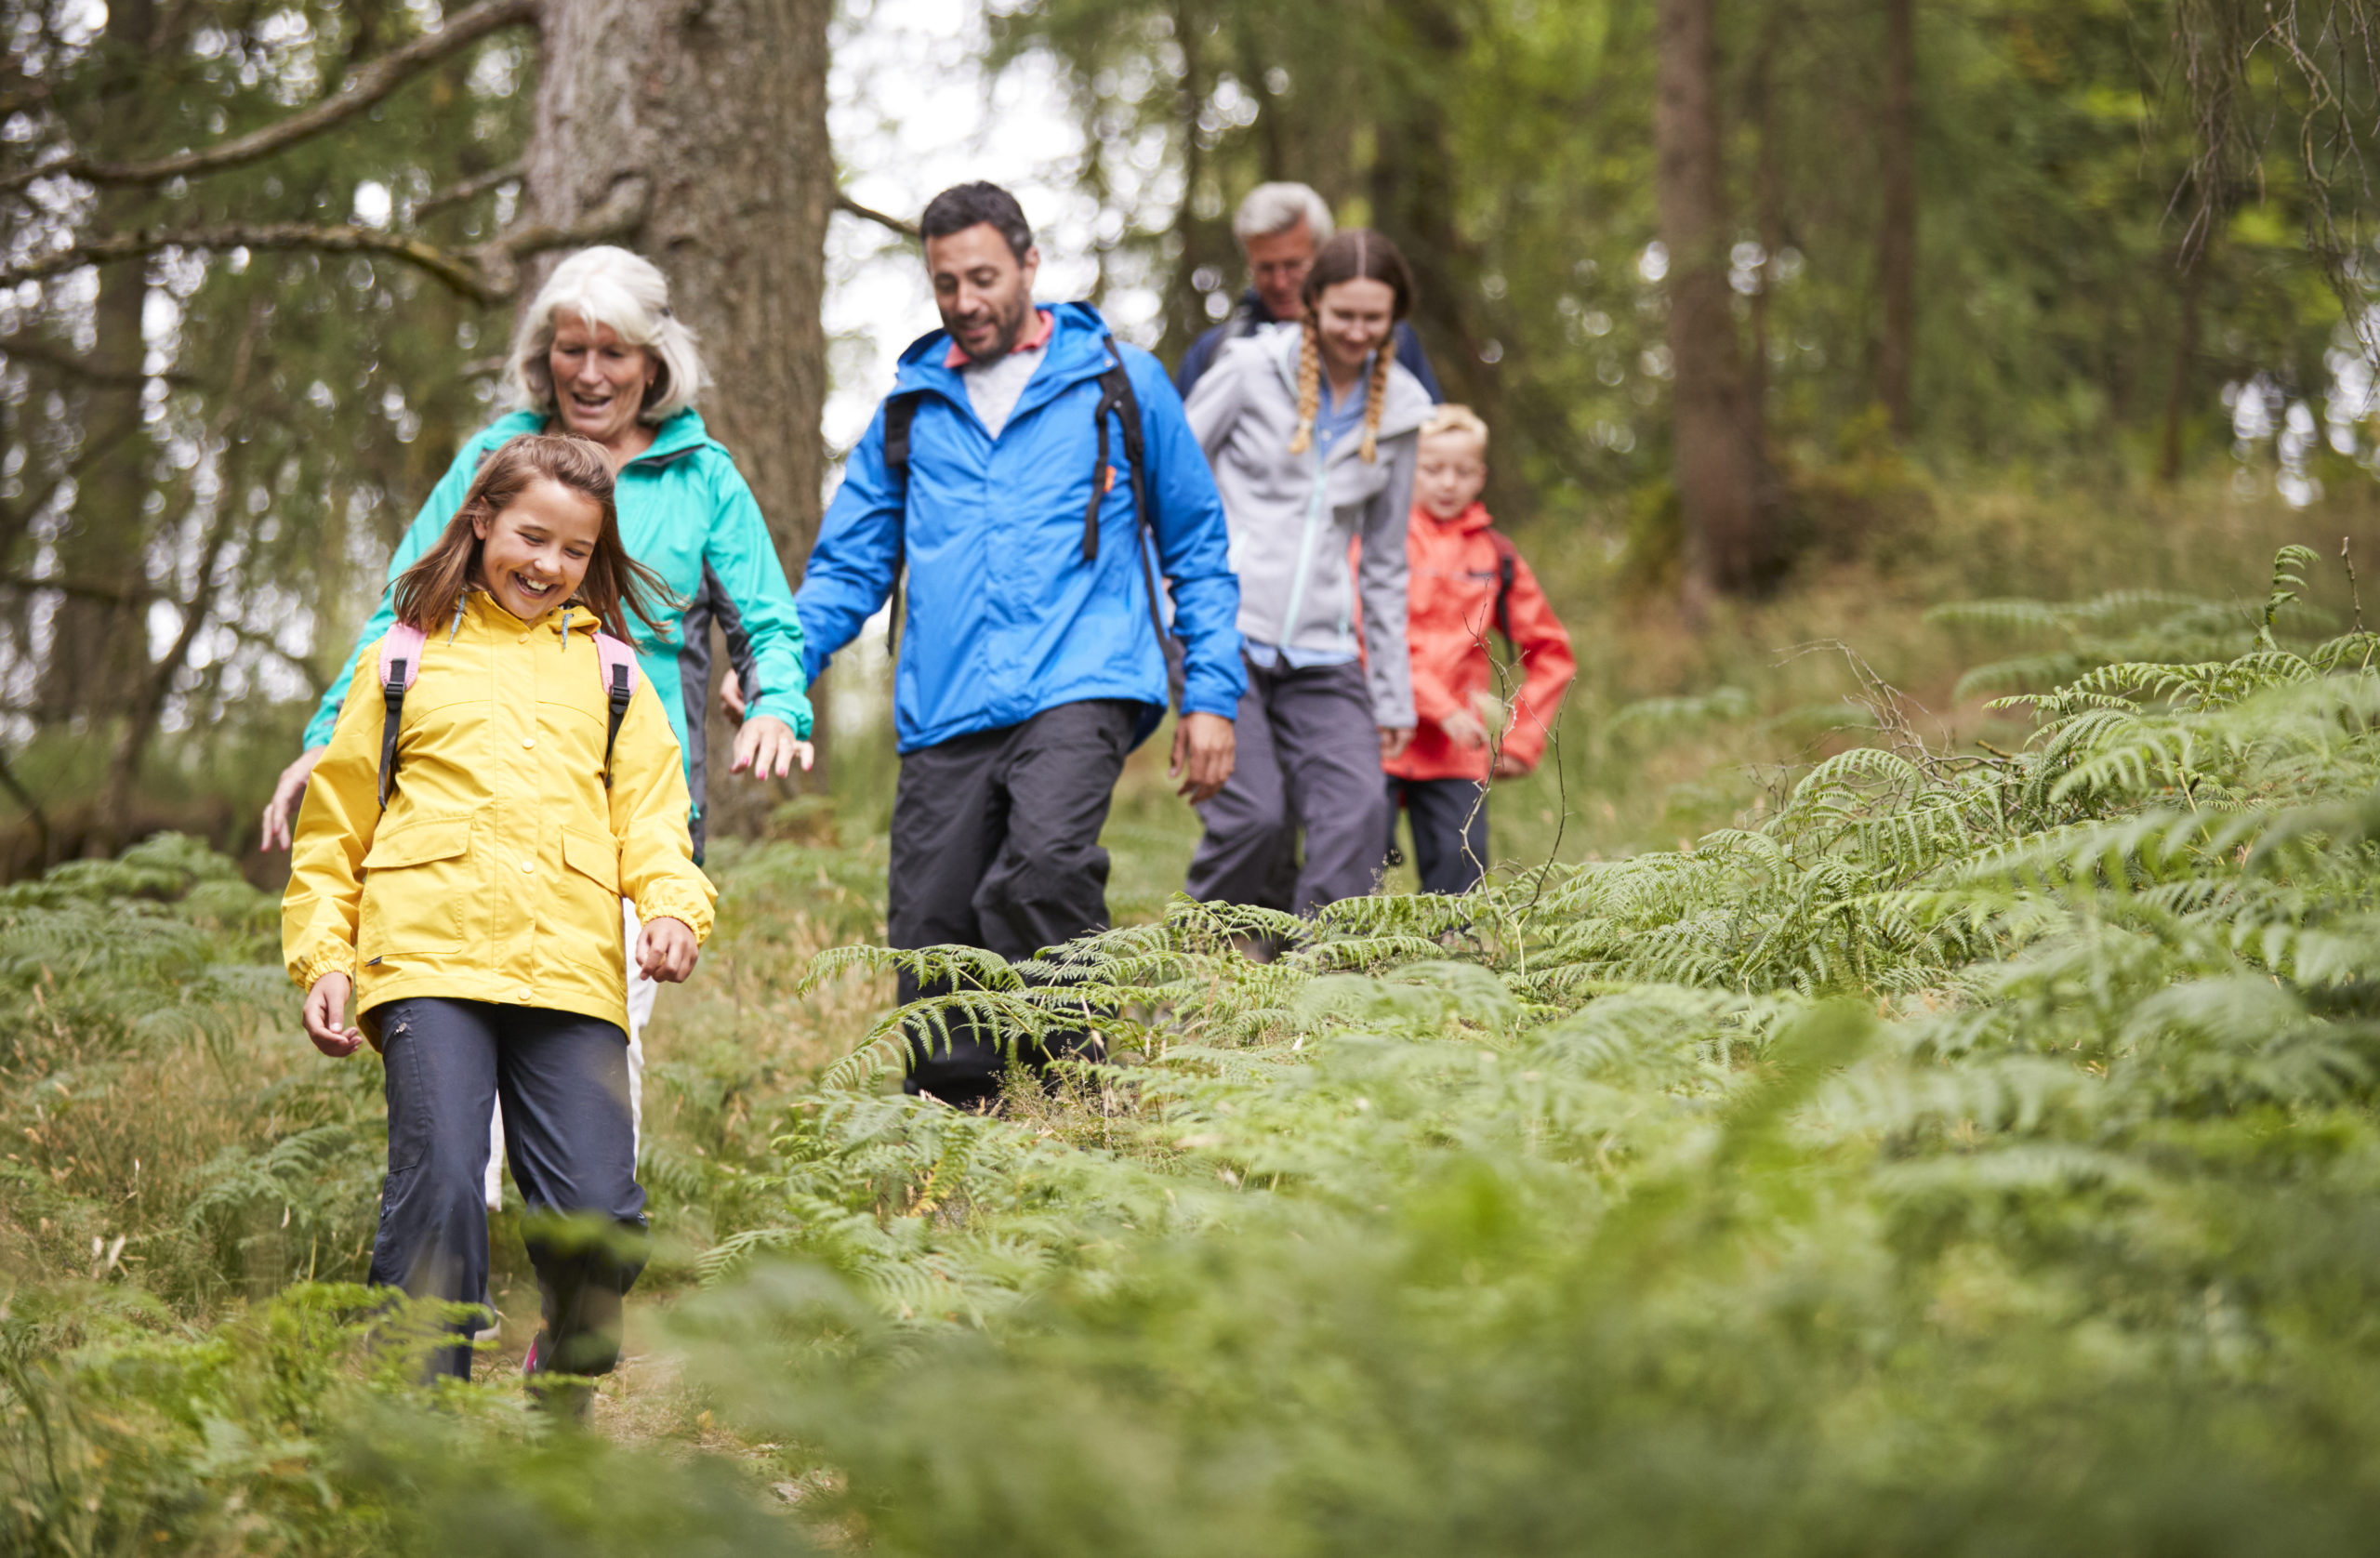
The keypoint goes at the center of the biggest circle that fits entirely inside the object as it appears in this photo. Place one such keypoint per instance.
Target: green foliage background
(1976, 1153)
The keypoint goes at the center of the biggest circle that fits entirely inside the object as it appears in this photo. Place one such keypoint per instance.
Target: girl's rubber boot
(565, 1399)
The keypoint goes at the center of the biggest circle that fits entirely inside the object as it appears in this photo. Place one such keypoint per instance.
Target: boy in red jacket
(1467, 582)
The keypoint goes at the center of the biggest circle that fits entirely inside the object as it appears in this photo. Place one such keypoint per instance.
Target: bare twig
(869, 213)
(371, 84)
(458, 271)
(486, 274)
(2352, 593)
(73, 365)
(466, 189)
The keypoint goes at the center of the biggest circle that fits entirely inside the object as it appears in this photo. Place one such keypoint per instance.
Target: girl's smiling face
(535, 551)
(1354, 317)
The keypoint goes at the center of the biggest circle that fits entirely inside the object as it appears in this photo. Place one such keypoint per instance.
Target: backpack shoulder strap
(900, 412)
(617, 661)
(400, 663)
(1507, 569)
(1116, 394)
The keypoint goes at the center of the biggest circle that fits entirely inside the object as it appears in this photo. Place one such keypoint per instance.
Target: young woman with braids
(1311, 430)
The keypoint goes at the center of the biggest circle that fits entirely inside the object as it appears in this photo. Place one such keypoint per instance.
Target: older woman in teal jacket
(602, 354)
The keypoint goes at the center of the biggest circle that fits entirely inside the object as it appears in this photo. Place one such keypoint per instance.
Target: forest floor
(1902, 1136)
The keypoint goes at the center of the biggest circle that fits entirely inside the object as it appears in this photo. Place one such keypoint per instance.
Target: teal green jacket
(686, 514)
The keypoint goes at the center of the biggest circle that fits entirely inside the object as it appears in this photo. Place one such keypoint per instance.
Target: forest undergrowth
(1969, 1149)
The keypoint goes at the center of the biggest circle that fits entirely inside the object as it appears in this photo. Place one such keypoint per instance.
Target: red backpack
(400, 662)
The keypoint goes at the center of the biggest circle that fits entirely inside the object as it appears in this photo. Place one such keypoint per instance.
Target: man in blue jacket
(1006, 473)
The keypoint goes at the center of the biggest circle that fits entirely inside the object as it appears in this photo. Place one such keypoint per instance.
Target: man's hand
(1205, 746)
(1393, 740)
(1509, 767)
(665, 950)
(281, 812)
(326, 1008)
(730, 698)
(1464, 729)
(768, 747)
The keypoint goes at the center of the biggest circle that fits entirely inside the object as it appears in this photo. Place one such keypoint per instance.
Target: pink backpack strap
(619, 666)
(401, 656)
(400, 663)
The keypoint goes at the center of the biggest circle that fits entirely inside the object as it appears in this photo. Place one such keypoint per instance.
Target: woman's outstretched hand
(769, 748)
(665, 950)
(281, 812)
(325, 1012)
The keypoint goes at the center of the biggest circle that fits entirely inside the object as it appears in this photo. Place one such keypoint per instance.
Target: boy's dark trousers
(996, 845)
(570, 1141)
(1449, 819)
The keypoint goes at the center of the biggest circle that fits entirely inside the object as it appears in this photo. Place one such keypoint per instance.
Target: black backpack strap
(1115, 387)
(1115, 395)
(620, 690)
(393, 700)
(900, 411)
(1507, 569)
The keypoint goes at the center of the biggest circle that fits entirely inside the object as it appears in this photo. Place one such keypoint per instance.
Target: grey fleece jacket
(1293, 516)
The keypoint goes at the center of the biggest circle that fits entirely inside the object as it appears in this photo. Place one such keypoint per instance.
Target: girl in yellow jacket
(463, 881)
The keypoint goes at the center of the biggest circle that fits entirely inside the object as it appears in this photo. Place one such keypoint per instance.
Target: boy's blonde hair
(1457, 419)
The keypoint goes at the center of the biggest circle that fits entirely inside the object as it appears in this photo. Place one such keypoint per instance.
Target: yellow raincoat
(496, 872)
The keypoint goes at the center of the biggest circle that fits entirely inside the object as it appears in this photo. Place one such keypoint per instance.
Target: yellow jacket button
(528, 741)
(528, 865)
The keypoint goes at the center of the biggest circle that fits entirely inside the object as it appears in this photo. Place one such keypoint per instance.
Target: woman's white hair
(610, 285)
(1272, 208)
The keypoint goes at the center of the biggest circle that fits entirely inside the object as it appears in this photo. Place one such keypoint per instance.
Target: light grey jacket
(1291, 516)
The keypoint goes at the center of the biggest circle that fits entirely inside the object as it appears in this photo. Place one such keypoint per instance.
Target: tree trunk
(719, 108)
(1897, 232)
(2179, 388)
(98, 647)
(1722, 476)
(1415, 193)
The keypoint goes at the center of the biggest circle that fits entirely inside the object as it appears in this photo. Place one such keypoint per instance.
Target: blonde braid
(1376, 396)
(1309, 386)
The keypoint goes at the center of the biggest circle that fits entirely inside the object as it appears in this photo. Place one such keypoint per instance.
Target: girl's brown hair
(1358, 253)
(431, 590)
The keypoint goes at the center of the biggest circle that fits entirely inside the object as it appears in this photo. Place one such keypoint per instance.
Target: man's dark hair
(963, 205)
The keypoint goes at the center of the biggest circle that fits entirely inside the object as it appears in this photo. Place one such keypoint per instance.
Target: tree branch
(370, 85)
(75, 365)
(489, 273)
(457, 272)
(466, 189)
(869, 213)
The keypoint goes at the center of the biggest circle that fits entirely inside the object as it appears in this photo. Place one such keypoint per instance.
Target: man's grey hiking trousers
(996, 845)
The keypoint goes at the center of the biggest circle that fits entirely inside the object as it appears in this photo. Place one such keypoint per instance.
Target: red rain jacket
(1459, 566)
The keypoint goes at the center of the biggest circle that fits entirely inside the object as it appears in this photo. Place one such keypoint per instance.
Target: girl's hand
(1463, 728)
(1393, 740)
(325, 1005)
(768, 747)
(281, 812)
(666, 950)
(731, 697)
(1509, 767)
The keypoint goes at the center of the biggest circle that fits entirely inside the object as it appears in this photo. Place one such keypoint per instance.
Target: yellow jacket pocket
(597, 859)
(412, 896)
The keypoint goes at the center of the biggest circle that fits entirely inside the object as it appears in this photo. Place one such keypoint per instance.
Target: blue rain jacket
(686, 514)
(1004, 618)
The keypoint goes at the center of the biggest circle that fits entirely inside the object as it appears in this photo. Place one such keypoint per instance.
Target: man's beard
(1010, 328)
